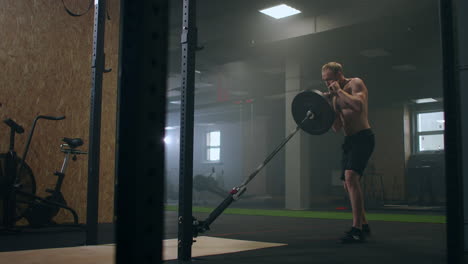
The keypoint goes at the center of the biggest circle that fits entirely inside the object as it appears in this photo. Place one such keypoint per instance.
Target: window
(213, 145)
(429, 131)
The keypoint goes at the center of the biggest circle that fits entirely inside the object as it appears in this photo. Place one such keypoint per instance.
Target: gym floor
(309, 237)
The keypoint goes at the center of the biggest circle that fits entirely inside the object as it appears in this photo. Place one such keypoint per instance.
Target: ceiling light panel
(280, 11)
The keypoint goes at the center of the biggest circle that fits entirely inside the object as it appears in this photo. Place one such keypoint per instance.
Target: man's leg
(353, 186)
(364, 219)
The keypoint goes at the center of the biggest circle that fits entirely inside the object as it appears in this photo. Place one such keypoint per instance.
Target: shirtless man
(349, 97)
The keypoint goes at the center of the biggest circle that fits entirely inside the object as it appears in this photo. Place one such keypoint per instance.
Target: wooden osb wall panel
(45, 57)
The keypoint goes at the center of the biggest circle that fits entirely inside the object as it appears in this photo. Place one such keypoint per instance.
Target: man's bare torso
(353, 121)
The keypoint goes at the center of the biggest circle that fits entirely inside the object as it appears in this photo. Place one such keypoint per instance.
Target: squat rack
(452, 95)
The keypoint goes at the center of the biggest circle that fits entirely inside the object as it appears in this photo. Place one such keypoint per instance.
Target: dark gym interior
(130, 130)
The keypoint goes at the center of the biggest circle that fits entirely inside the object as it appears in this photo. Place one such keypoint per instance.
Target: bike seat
(17, 128)
(73, 142)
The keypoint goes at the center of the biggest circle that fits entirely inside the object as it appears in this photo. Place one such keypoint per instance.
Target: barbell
(313, 113)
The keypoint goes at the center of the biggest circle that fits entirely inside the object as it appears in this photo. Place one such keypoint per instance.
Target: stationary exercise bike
(18, 186)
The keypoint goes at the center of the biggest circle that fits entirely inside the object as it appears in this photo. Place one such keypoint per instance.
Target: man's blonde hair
(335, 67)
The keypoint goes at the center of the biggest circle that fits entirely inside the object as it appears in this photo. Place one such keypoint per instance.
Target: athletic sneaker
(365, 230)
(354, 235)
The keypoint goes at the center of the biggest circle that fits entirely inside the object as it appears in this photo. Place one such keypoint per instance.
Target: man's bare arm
(338, 123)
(358, 96)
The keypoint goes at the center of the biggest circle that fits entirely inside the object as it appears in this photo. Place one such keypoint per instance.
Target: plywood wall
(45, 62)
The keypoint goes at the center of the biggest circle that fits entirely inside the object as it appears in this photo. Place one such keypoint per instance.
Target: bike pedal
(57, 173)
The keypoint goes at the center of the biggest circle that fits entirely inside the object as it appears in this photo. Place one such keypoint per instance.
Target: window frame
(208, 147)
(422, 109)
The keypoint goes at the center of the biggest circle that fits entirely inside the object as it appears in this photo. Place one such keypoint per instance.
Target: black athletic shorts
(357, 150)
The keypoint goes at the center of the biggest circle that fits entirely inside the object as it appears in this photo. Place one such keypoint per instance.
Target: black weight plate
(314, 101)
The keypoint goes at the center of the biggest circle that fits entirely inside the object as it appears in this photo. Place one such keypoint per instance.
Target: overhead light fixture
(171, 127)
(425, 100)
(280, 11)
(205, 124)
(239, 93)
(174, 102)
(373, 53)
(404, 67)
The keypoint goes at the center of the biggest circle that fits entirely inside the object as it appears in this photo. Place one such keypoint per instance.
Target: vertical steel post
(141, 118)
(189, 42)
(98, 62)
(453, 132)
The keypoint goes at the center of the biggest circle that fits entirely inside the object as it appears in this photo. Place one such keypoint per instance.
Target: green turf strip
(435, 219)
